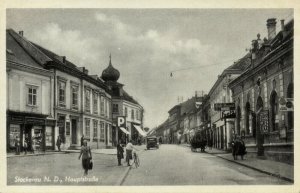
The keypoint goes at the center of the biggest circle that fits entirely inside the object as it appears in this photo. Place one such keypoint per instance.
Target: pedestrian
(58, 142)
(120, 153)
(129, 148)
(81, 140)
(86, 156)
(25, 146)
(17, 145)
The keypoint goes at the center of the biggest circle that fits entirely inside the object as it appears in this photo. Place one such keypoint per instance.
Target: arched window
(248, 118)
(274, 111)
(290, 114)
(238, 118)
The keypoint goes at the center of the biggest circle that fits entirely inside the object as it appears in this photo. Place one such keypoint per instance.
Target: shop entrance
(74, 131)
(34, 137)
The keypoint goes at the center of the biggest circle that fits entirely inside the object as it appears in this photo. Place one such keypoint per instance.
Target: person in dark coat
(120, 153)
(58, 142)
(86, 156)
(238, 148)
(81, 140)
(17, 145)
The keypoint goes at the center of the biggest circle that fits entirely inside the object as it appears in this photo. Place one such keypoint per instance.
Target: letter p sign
(121, 122)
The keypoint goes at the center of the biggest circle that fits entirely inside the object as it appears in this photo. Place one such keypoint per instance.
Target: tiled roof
(18, 50)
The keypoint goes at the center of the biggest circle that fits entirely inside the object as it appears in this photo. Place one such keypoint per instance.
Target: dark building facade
(263, 96)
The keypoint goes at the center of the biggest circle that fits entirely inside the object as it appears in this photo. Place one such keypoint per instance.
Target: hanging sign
(224, 106)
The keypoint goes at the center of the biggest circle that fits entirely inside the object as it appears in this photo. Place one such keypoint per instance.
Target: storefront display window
(14, 132)
(49, 137)
(37, 137)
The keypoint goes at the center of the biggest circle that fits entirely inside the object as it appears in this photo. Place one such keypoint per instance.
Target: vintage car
(152, 142)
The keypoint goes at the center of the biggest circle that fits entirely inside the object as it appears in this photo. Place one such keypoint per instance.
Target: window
(248, 119)
(102, 105)
(274, 111)
(62, 93)
(95, 103)
(87, 100)
(87, 128)
(126, 111)
(115, 108)
(32, 95)
(137, 114)
(105, 107)
(102, 131)
(290, 114)
(238, 116)
(132, 114)
(95, 133)
(74, 91)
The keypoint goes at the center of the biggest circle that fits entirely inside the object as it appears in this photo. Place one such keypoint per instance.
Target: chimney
(64, 59)
(21, 33)
(282, 24)
(85, 71)
(271, 26)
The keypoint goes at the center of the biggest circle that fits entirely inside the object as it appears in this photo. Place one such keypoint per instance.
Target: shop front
(35, 129)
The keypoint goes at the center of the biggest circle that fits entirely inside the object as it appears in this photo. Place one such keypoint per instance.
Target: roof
(129, 98)
(17, 50)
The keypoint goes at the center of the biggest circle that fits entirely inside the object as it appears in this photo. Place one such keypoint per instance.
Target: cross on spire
(110, 59)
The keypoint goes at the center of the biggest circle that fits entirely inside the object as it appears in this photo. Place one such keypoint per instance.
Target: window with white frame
(87, 100)
(74, 91)
(87, 128)
(32, 95)
(115, 108)
(95, 130)
(132, 114)
(95, 103)
(102, 132)
(62, 93)
(126, 112)
(137, 114)
(105, 107)
(102, 105)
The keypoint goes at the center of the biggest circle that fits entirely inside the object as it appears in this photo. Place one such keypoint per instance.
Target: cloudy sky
(147, 44)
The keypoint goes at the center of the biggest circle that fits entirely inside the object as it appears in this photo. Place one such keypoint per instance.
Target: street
(177, 165)
(168, 165)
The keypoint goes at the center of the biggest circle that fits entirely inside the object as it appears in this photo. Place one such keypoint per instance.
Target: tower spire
(110, 59)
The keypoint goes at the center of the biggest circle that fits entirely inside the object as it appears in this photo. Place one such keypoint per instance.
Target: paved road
(177, 165)
(62, 166)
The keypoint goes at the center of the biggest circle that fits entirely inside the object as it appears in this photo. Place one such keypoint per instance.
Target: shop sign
(121, 121)
(15, 119)
(35, 121)
(229, 115)
(286, 104)
(224, 106)
(50, 122)
(264, 121)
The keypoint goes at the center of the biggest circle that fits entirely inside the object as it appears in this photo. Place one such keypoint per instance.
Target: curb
(37, 154)
(122, 179)
(256, 169)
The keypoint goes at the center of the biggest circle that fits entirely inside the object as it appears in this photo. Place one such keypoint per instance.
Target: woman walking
(129, 148)
(120, 152)
(86, 156)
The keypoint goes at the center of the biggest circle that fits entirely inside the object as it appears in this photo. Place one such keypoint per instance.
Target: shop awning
(124, 130)
(139, 129)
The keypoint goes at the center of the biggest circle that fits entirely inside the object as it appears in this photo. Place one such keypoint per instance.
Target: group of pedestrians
(27, 146)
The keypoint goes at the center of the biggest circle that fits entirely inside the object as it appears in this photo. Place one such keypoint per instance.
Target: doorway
(74, 131)
(259, 134)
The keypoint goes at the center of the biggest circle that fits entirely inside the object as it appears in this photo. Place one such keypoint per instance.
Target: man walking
(58, 143)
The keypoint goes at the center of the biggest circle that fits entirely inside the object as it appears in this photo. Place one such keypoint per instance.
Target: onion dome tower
(110, 73)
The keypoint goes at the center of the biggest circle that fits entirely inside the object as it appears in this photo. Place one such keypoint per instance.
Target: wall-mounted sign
(224, 106)
(229, 115)
(286, 104)
(121, 121)
(264, 121)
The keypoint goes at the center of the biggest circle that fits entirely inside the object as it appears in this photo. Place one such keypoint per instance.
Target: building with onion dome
(123, 105)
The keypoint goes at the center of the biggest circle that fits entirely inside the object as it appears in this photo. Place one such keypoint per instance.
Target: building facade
(264, 96)
(126, 106)
(220, 93)
(29, 92)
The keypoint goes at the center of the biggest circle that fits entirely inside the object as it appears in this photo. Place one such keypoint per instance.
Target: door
(74, 131)
(259, 134)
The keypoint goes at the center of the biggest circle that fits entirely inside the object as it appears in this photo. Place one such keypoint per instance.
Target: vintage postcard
(131, 98)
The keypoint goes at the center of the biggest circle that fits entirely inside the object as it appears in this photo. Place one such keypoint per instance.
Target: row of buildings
(48, 96)
(251, 99)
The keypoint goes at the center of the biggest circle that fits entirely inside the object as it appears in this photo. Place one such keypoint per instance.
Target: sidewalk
(273, 168)
(9, 155)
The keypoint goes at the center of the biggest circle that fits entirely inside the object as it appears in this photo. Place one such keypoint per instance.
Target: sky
(148, 44)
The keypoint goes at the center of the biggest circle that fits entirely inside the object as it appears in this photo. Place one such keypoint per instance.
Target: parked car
(152, 142)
